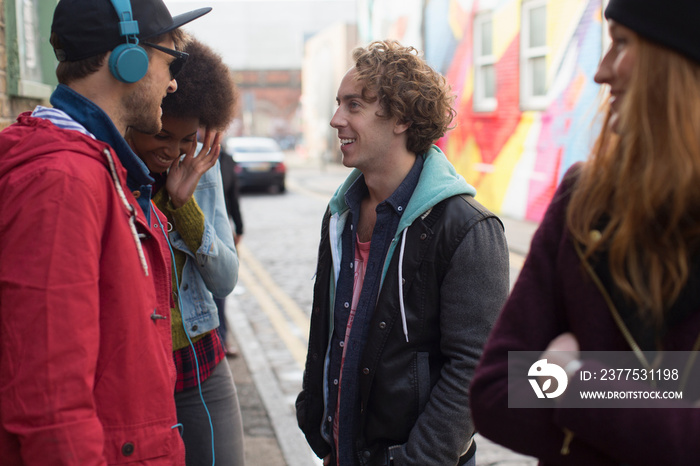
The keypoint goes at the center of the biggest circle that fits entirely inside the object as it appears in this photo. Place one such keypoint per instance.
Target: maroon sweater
(553, 295)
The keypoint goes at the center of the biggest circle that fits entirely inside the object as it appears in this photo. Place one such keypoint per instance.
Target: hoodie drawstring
(401, 305)
(130, 208)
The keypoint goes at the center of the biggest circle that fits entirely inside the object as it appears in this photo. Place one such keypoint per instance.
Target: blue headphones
(128, 62)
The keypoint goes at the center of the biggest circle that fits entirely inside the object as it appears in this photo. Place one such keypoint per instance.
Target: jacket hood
(32, 137)
(438, 181)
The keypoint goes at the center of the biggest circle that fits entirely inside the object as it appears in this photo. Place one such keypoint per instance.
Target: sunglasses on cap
(177, 64)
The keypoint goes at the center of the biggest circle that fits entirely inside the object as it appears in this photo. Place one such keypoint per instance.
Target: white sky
(262, 34)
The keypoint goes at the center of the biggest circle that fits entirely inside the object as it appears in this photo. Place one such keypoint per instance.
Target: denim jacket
(213, 269)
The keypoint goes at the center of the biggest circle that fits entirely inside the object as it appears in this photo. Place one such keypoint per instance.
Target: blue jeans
(221, 398)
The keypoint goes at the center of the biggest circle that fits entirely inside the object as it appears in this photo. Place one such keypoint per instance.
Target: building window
(30, 61)
(484, 64)
(533, 55)
(606, 35)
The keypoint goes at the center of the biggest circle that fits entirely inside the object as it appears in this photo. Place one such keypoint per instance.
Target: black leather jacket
(455, 269)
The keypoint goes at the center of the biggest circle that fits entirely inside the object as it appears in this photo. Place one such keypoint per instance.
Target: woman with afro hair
(188, 190)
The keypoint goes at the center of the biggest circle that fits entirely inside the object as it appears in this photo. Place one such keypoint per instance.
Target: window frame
(19, 83)
(481, 102)
(606, 40)
(528, 100)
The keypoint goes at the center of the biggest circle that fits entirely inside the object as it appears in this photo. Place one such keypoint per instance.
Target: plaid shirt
(210, 351)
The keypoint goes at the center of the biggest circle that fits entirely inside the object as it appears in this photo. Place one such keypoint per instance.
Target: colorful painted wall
(515, 158)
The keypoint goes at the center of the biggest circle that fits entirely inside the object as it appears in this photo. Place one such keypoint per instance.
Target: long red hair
(642, 185)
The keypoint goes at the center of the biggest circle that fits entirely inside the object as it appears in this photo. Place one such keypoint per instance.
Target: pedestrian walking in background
(411, 274)
(615, 264)
(86, 375)
(231, 193)
(233, 208)
(188, 190)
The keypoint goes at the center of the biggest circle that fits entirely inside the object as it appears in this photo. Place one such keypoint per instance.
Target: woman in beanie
(188, 190)
(613, 267)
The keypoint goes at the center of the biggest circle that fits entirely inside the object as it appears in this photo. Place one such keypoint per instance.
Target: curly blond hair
(407, 88)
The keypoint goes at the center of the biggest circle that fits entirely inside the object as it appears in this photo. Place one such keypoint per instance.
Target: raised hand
(184, 174)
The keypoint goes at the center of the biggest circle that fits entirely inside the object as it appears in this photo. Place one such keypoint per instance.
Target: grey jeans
(221, 398)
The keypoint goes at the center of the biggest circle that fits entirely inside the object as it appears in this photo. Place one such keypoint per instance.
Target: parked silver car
(259, 162)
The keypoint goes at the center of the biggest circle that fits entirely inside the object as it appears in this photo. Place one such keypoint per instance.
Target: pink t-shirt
(361, 258)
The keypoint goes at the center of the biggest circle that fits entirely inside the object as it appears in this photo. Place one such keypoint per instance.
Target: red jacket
(86, 373)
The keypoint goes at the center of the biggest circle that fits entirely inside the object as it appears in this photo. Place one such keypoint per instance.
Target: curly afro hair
(407, 88)
(205, 89)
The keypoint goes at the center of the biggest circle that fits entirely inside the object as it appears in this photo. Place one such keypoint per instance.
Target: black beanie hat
(672, 23)
(85, 28)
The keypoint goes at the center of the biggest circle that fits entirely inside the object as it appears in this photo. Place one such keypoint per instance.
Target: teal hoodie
(438, 181)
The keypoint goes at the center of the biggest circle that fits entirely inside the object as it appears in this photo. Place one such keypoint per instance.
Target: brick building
(526, 100)
(269, 98)
(263, 42)
(522, 71)
(268, 103)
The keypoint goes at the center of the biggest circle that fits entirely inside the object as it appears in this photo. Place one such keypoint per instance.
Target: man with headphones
(86, 369)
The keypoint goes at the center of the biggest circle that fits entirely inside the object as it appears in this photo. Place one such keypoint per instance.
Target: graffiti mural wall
(515, 150)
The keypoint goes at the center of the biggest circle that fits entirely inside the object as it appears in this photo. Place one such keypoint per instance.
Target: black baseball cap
(85, 28)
